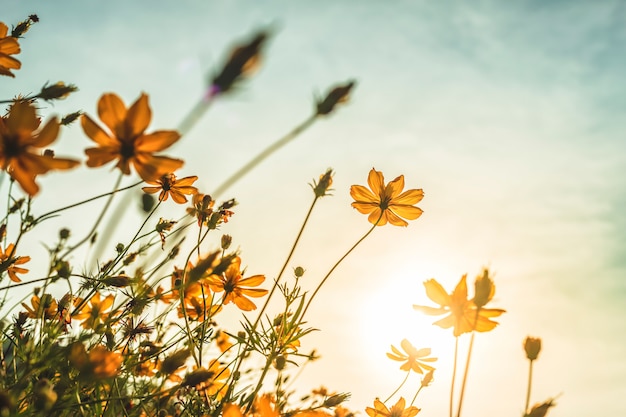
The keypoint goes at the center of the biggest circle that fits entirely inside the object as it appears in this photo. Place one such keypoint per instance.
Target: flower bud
(119, 281)
(280, 362)
(322, 187)
(70, 118)
(226, 241)
(428, 378)
(57, 91)
(532, 346)
(336, 95)
(298, 271)
(484, 289)
(335, 399)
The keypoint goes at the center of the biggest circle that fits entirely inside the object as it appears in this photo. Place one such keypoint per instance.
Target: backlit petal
(112, 112)
(437, 293)
(138, 117)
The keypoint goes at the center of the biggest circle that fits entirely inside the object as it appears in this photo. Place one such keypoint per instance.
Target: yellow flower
(95, 312)
(212, 380)
(8, 262)
(44, 307)
(414, 358)
(99, 363)
(233, 283)
(8, 46)
(398, 410)
(126, 141)
(20, 144)
(386, 203)
(463, 315)
(168, 185)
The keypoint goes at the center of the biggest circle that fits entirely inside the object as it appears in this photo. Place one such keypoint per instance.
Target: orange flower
(8, 46)
(398, 410)
(168, 185)
(386, 203)
(99, 363)
(8, 260)
(19, 141)
(127, 141)
(232, 283)
(95, 313)
(463, 315)
(45, 307)
(414, 358)
(212, 380)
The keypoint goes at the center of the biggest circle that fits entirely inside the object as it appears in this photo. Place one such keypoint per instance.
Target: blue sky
(508, 115)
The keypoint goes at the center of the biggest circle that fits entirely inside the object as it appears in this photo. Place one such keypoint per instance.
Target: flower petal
(376, 181)
(112, 112)
(156, 141)
(138, 117)
(437, 293)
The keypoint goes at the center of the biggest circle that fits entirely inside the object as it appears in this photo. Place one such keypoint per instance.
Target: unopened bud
(428, 378)
(322, 187)
(484, 289)
(336, 95)
(57, 91)
(280, 362)
(70, 118)
(119, 281)
(335, 400)
(298, 271)
(532, 346)
(226, 241)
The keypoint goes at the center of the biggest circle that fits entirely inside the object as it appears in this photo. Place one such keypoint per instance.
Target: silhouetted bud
(298, 271)
(322, 187)
(226, 241)
(483, 289)
(57, 91)
(64, 233)
(532, 346)
(335, 400)
(243, 60)
(24, 25)
(119, 281)
(70, 118)
(336, 95)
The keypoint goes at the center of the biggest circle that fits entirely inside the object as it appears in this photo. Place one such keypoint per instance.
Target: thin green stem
(418, 391)
(456, 354)
(530, 379)
(400, 386)
(98, 220)
(282, 270)
(263, 155)
(336, 265)
(467, 364)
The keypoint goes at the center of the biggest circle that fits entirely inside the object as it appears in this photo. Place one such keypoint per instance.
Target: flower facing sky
(21, 144)
(462, 314)
(8, 46)
(414, 358)
(398, 410)
(168, 185)
(235, 286)
(126, 140)
(386, 203)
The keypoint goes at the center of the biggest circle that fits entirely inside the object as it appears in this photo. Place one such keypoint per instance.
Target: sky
(509, 115)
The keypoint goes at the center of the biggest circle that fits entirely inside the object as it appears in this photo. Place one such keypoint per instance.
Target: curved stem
(456, 354)
(98, 220)
(398, 389)
(263, 155)
(336, 265)
(530, 379)
(282, 270)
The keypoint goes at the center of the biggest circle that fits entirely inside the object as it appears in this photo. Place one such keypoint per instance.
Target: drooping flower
(126, 140)
(8, 46)
(20, 146)
(462, 314)
(386, 203)
(235, 286)
(398, 410)
(414, 358)
(8, 262)
(168, 185)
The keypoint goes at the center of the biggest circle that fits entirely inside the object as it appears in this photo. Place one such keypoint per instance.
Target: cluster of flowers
(145, 342)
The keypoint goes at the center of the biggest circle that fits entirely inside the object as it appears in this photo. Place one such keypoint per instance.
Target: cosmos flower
(126, 140)
(386, 203)
(462, 314)
(168, 185)
(398, 410)
(235, 286)
(8, 262)
(95, 312)
(414, 358)
(8, 46)
(20, 145)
